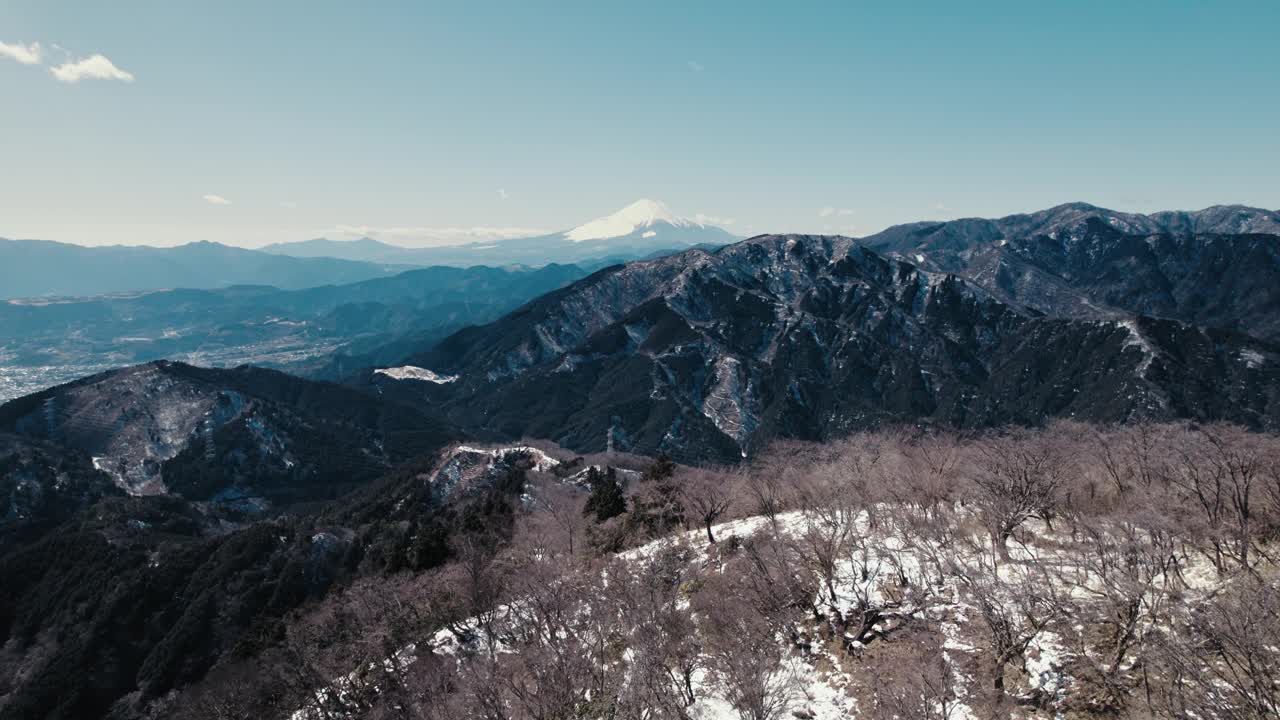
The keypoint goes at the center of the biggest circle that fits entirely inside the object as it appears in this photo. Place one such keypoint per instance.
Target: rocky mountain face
(1216, 267)
(706, 356)
(249, 439)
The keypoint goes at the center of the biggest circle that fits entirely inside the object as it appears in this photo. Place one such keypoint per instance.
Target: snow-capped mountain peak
(639, 214)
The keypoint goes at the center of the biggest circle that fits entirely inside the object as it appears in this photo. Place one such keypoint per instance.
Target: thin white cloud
(502, 194)
(29, 54)
(94, 67)
(216, 200)
(436, 235)
(696, 66)
(830, 211)
(705, 219)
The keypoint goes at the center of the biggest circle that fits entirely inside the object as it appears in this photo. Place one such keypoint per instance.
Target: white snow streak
(410, 372)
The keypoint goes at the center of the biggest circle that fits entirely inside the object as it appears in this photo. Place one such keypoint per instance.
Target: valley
(307, 331)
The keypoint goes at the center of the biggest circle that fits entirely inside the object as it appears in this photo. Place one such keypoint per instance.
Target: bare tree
(1018, 476)
(766, 489)
(479, 579)
(1016, 605)
(927, 470)
(1201, 483)
(1271, 494)
(1222, 661)
(1132, 456)
(1239, 460)
(747, 660)
(562, 635)
(1128, 573)
(666, 649)
(707, 496)
(917, 681)
(556, 507)
(842, 550)
(776, 581)
(883, 523)
(830, 523)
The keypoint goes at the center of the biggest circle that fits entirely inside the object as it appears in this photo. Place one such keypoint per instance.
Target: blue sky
(421, 120)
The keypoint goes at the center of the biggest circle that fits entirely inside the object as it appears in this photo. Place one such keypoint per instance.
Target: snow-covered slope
(894, 586)
(639, 215)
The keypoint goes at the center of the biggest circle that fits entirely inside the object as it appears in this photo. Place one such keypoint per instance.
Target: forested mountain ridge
(245, 436)
(710, 355)
(1216, 267)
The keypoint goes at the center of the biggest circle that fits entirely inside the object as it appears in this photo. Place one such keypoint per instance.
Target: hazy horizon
(353, 234)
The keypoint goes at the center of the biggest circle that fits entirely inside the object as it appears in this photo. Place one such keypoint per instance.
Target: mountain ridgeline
(251, 438)
(40, 268)
(1074, 312)
(1217, 267)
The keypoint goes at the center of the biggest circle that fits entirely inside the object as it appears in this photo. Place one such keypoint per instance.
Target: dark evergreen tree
(606, 500)
(657, 508)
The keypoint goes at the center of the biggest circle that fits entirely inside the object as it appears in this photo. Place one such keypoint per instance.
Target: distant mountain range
(643, 228)
(40, 268)
(337, 307)
(332, 329)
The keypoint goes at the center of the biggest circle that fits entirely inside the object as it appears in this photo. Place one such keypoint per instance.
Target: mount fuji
(642, 229)
(645, 218)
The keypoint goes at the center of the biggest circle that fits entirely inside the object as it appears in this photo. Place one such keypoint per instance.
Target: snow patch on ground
(1045, 656)
(1252, 358)
(726, 403)
(826, 694)
(622, 475)
(410, 372)
(1137, 340)
(542, 462)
